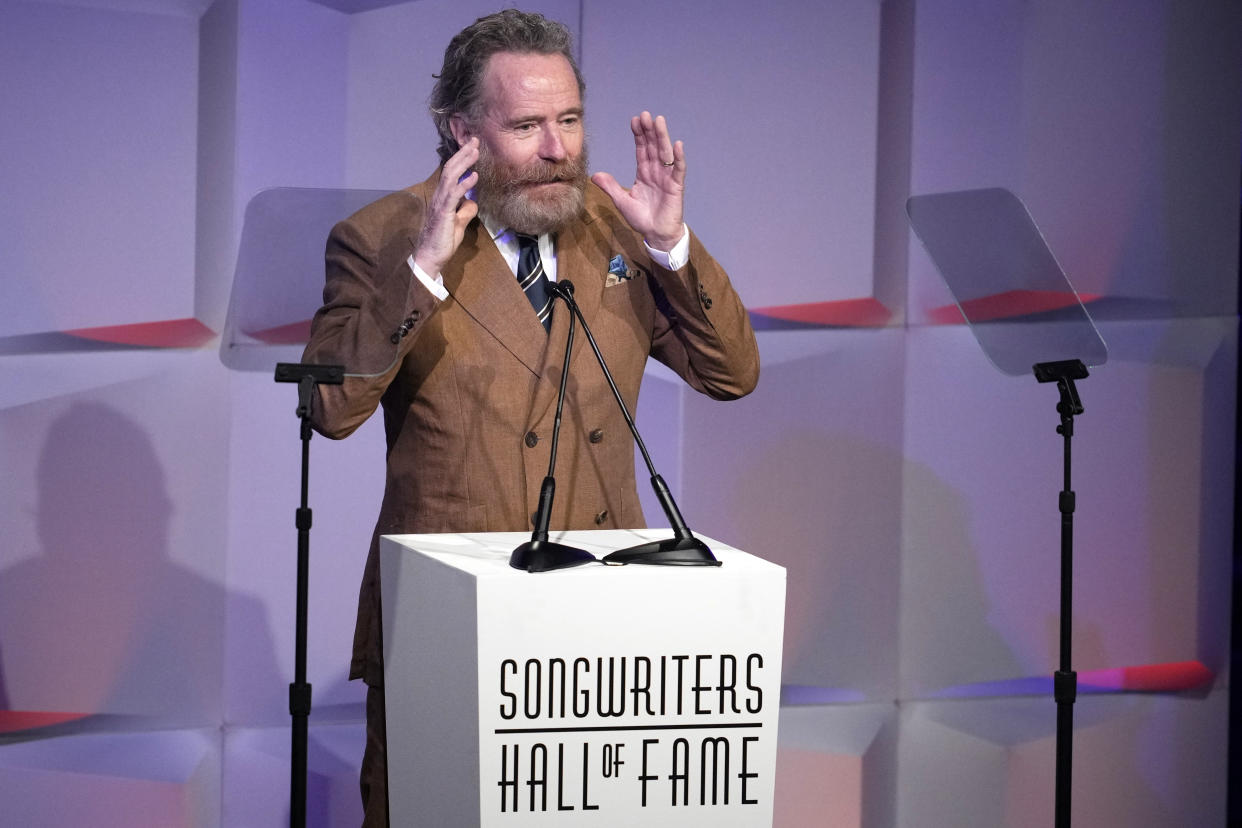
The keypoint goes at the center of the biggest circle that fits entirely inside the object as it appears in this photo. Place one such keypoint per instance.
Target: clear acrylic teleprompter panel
(1004, 279)
(279, 278)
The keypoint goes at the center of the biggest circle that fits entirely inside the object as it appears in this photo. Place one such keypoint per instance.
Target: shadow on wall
(885, 597)
(950, 637)
(103, 621)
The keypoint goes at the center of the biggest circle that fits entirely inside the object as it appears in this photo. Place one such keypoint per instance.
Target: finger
(466, 151)
(462, 160)
(640, 143)
(448, 199)
(645, 147)
(452, 189)
(463, 187)
(664, 144)
(652, 133)
(679, 162)
(609, 185)
(465, 214)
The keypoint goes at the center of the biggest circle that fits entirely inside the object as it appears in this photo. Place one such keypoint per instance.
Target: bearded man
(422, 306)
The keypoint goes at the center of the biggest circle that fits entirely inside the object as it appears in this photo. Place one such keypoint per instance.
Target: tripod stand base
(669, 552)
(540, 556)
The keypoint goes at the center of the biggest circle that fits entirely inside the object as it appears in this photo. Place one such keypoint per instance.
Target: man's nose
(552, 147)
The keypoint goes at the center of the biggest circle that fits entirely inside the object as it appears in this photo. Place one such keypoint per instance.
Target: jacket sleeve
(373, 311)
(703, 331)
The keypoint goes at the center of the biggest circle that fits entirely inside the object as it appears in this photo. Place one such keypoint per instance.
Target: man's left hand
(653, 206)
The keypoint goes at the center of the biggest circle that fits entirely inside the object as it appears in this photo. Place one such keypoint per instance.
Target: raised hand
(653, 206)
(449, 211)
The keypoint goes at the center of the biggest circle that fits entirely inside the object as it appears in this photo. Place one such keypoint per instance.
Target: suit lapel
(493, 298)
(574, 255)
(574, 251)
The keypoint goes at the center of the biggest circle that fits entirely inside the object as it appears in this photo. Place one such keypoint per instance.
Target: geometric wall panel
(1148, 762)
(98, 220)
(1153, 474)
(788, 232)
(803, 472)
(111, 596)
(114, 780)
(1071, 107)
(256, 776)
(834, 765)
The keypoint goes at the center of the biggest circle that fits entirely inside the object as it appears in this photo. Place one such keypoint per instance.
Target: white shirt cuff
(676, 258)
(435, 284)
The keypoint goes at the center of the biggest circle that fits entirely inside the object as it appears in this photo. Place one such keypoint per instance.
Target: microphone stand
(307, 377)
(683, 549)
(1065, 680)
(540, 554)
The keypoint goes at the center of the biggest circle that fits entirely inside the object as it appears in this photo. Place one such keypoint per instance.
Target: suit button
(597, 435)
(532, 439)
(406, 325)
(601, 517)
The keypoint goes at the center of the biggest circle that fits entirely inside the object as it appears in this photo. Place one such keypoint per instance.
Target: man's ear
(461, 129)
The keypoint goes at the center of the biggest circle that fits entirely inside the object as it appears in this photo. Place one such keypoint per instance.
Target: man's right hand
(449, 211)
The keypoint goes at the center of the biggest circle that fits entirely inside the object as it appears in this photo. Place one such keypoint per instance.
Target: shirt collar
(492, 229)
(505, 235)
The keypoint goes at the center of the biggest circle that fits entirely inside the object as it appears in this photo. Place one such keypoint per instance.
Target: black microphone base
(540, 556)
(668, 552)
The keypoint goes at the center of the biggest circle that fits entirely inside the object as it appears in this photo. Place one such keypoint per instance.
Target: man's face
(532, 153)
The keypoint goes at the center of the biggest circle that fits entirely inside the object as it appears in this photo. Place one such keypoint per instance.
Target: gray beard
(505, 197)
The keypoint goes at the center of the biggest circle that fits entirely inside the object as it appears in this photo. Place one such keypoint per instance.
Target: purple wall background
(151, 464)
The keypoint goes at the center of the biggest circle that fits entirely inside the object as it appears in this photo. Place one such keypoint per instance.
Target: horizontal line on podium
(607, 728)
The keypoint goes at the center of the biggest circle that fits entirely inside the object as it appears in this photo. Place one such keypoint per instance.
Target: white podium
(592, 696)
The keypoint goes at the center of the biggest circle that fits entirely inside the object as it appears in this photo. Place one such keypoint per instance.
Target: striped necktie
(532, 279)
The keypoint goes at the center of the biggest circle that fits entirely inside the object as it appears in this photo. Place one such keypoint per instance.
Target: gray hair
(458, 86)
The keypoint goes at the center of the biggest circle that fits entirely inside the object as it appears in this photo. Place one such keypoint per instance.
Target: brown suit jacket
(468, 386)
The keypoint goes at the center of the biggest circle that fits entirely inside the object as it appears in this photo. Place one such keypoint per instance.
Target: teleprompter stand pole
(1065, 680)
(307, 377)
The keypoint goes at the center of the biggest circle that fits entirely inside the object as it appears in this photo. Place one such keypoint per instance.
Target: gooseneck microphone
(540, 554)
(683, 549)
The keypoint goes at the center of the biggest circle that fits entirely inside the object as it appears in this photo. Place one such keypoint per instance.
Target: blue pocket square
(618, 268)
